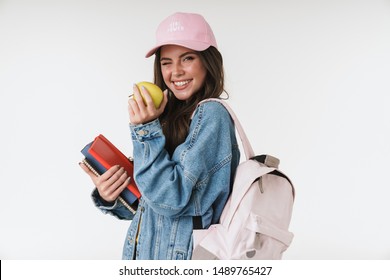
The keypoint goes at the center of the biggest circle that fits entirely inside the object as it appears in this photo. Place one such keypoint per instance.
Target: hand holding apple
(154, 91)
(147, 103)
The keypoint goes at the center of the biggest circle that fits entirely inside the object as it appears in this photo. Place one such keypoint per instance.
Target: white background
(309, 81)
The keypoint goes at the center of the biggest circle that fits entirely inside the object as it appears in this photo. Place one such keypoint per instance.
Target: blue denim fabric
(195, 181)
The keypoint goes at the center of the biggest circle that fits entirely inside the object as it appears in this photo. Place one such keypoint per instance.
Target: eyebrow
(180, 56)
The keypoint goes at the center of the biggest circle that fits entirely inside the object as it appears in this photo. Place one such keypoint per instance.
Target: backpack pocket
(208, 244)
(265, 239)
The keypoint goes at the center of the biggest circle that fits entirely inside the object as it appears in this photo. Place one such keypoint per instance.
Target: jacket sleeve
(117, 209)
(198, 173)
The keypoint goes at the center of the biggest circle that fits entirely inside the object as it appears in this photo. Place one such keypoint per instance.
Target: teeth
(179, 84)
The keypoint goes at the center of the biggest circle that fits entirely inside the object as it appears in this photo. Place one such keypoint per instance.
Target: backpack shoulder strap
(244, 139)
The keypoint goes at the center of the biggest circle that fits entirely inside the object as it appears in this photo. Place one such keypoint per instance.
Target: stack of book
(101, 155)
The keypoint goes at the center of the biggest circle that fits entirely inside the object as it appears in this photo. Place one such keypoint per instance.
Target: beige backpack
(255, 220)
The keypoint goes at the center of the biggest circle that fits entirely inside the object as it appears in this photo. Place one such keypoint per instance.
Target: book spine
(127, 205)
(85, 161)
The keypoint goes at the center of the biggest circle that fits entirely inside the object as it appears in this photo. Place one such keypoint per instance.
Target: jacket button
(142, 132)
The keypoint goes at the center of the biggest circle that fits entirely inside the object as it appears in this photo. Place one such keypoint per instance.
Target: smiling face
(182, 70)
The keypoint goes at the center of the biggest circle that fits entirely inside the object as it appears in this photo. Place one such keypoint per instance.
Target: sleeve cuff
(142, 132)
(104, 206)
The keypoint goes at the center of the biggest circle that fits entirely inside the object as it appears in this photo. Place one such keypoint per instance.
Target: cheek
(201, 76)
(200, 72)
(166, 76)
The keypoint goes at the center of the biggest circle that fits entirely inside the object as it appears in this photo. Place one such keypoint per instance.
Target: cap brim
(193, 45)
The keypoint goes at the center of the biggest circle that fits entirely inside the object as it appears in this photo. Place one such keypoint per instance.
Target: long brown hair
(176, 116)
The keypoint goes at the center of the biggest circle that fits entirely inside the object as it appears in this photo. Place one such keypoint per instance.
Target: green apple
(154, 91)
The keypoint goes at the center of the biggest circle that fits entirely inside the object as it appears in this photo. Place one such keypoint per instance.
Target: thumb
(164, 101)
(87, 170)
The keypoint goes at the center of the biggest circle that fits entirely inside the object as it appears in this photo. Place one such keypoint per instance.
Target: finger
(148, 99)
(111, 192)
(88, 171)
(85, 168)
(119, 175)
(133, 108)
(164, 102)
(104, 181)
(131, 111)
(138, 98)
(121, 187)
(110, 172)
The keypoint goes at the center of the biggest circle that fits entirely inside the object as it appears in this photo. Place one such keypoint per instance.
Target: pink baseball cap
(184, 29)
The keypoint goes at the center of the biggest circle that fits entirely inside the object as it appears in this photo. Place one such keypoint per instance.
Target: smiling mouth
(181, 83)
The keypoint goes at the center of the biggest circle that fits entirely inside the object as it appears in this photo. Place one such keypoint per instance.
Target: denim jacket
(194, 181)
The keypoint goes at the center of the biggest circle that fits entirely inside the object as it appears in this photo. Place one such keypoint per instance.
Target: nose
(177, 70)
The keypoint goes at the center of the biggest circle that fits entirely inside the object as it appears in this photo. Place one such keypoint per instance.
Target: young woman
(185, 154)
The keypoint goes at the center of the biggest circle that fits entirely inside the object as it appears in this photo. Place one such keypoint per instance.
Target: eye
(188, 58)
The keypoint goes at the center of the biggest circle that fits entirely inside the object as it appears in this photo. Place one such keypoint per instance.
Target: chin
(182, 96)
